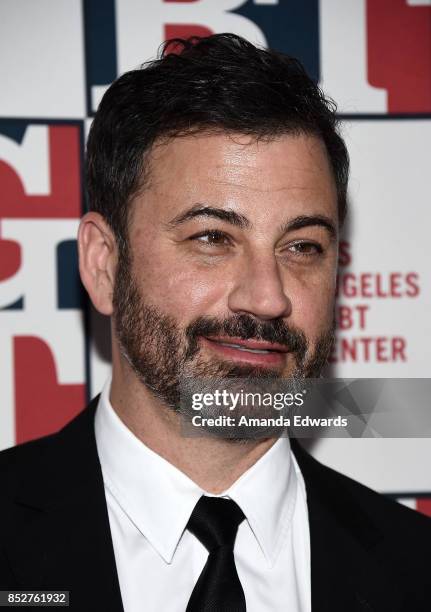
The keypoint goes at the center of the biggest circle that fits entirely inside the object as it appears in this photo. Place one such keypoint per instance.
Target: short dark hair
(220, 82)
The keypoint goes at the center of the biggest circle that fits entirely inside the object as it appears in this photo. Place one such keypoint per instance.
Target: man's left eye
(305, 248)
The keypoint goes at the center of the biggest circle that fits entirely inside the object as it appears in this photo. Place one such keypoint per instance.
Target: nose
(259, 289)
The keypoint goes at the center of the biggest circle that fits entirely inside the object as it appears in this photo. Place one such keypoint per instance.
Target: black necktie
(215, 521)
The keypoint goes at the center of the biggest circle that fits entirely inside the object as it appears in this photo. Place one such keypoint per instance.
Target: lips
(252, 351)
(253, 345)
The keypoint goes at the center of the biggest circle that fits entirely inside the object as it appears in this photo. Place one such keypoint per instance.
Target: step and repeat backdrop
(372, 56)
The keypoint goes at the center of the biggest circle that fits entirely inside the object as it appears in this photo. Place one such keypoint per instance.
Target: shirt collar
(266, 493)
(159, 499)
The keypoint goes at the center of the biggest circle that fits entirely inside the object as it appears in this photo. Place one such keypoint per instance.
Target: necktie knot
(215, 521)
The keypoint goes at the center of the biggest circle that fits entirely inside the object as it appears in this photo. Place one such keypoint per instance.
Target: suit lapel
(345, 570)
(66, 542)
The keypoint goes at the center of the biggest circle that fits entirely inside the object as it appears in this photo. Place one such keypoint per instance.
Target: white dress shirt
(149, 504)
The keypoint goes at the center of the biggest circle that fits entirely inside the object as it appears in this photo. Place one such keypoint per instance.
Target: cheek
(179, 288)
(313, 308)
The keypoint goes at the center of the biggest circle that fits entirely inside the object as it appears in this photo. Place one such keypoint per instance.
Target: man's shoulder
(15, 461)
(380, 505)
(29, 460)
(354, 503)
(20, 465)
(372, 543)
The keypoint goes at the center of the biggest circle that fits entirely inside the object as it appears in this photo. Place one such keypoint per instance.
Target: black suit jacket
(367, 552)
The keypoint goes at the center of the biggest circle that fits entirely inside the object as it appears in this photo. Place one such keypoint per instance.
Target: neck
(212, 463)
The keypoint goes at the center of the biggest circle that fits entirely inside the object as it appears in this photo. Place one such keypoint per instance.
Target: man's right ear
(97, 260)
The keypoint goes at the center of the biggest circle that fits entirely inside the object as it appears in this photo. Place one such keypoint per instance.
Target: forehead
(241, 172)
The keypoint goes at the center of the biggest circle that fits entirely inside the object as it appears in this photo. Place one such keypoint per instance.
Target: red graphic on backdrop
(42, 405)
(64, 201)
(399, 53)
(10, 258)
(185, 30)
(424, 505)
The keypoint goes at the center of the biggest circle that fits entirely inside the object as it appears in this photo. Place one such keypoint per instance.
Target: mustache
(247, 327)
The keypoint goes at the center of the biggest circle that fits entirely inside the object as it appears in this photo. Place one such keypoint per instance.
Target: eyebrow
(308, 221)
(201, 210)
(234, 218)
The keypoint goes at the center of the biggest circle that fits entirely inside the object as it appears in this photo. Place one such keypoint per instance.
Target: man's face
(232, 261)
